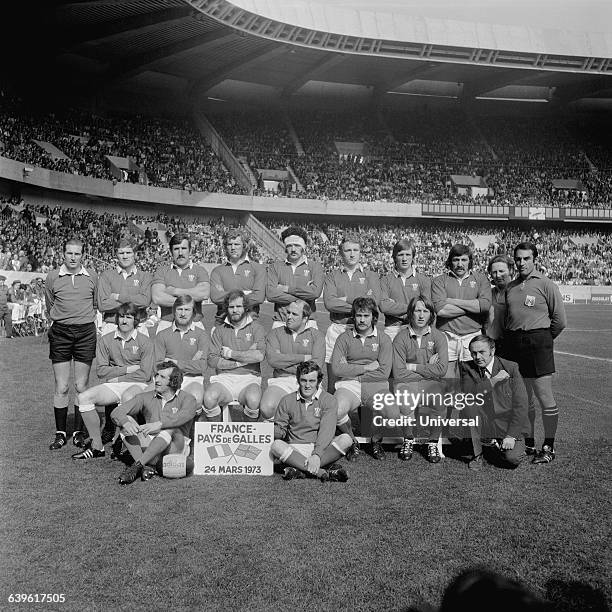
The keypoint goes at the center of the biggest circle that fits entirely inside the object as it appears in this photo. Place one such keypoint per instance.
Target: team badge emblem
(305, 341)
(136, 282)
(362, 281)
(472, 284)
(191, 277)
(248, 336)
(430, 345)
(369, 292)
(192, 341)
(247, 272)
(415, 286)
(174, 409)
(374, 346)
(530, 301)
(134, 349)
(317, 411)
(306, 272)
(219, 287)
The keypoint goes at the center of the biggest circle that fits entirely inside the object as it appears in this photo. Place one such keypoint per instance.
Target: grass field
(392, 536)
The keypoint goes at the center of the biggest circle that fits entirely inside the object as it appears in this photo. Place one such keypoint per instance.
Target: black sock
(61, 416)
(108, 422)
(78, 420)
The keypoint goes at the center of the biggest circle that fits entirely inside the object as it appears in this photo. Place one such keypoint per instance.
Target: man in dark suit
(503, 413)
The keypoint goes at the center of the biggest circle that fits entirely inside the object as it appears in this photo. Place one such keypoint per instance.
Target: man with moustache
(182, 277)
(501, 271)
(237, 350)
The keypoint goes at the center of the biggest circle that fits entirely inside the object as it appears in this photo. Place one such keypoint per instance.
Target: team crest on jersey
(248, 336)
(134, 349)
(306, 272)
(305, 341)
(317, 410)
(136, 282)
(174, 409)
(530, 301)
(472, 284)
(430, 346)
(192, 341)
(362, 281)
(415, 286)
(219, 287)
(191, 277)
(369, 292)
(247, 272)
(374, 346)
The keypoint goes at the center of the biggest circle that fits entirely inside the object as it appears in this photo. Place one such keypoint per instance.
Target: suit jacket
(505, 404)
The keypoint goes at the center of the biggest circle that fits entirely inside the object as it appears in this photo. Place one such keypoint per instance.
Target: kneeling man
(503, 417)
(304, 427)
(168, 413)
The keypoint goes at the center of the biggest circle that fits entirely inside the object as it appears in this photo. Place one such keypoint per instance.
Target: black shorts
(68, 342)
(532, 350)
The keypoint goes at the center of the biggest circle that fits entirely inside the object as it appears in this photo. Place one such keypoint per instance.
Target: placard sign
(233, 448)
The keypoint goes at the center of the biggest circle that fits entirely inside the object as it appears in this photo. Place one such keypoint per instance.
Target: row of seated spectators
(32, 239)
(170, 153)
(406, 156)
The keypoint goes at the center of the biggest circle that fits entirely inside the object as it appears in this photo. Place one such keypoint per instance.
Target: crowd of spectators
(31, 239)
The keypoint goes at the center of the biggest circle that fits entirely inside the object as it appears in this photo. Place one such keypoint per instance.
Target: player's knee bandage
(166, 436)
(87, 407)
(343, 420)
(286, 454)
(252, 413)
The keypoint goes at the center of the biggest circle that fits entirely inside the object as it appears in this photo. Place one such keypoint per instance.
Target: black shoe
(79, 439)
(336, 473)
(89, 453)
(407, 449)
(130, 474)
(147, 472)
(353, 453)
(107, 436)
(475, 463)
(531, 451)
(378, 452)
(60, 440)
(124, 457)
(433, 454)
(292, 473)
(546, 455)
(116, 448)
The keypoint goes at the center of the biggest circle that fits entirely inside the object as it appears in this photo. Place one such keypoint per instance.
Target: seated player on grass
(124, 361)
(187, 346)
(236, 353)
(503, 419)
(168, 413)
(304, 428)
(286, 347)
(361, 363)
(420, 361)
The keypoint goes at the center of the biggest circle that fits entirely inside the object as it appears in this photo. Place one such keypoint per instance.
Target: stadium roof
(266, 51)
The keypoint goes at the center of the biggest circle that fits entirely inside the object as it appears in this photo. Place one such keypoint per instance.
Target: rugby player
(182, 277)
(286, 348)
(304, 427)
(420, 361)
(124, 361)
(71, 294)
(361, 362)
(341, 287)
(297, 278)
(503, 417)
(400, 285)
(535, 316)
(168, 413)
(239, 272)
(123, 284)
(462, 299)
(187, 346)
(236, 353)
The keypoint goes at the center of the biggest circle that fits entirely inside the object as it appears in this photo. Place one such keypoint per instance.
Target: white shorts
(354, 386)
(310, 324)
(119, 388)
(145, 439)
(235, 383)
(458, 346)
(304, 449)
(333, 331)
(288, 384)
(109, 328)
(190, 380)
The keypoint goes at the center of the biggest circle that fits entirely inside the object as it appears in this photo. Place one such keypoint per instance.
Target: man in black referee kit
(71, 298)
(535, 316)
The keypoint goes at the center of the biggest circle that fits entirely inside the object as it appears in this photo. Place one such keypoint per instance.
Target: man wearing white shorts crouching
(287, 347)
(236, 353)
(124, 361)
